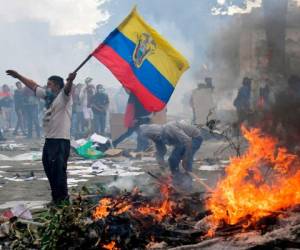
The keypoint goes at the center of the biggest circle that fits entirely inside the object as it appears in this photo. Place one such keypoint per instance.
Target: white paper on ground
(98, 138)
(31, 156)
(99, 166)
(131, 173)
(126, 167)
(4, 158)
(79, 171)
(78, 143)
(225, 161)
(21, 211)
(210, 167)
(13, 179)
(3, 167)
(29, 204)
(31, 178)
(81, 142)
(42, 179)
(73, 180)
(81, 162)
(12, 146)
(87, 175)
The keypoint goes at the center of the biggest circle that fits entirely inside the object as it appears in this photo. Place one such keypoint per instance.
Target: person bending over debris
(57, 124)
(185, 138)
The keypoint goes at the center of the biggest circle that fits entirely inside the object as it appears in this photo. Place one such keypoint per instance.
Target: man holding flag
(140, 58)
(57, 125)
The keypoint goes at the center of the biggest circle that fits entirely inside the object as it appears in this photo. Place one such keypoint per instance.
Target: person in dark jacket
(99, 105)
(242, 101)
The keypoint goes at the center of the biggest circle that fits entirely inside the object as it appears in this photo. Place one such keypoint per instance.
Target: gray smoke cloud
(43, 39)
(53, 37)
(264, 46)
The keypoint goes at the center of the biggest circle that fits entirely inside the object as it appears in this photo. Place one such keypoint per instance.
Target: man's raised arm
(69, 83)
(28, 82)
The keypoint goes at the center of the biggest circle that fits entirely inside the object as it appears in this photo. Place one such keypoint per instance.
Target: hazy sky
(40, 38)
(47, 37)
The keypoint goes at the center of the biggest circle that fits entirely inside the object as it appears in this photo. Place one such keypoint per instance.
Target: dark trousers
(55, 157)
(99, 123)
(1, 134)
(178, 154)
(33, 120)
(20, 120)
(77, 123)
(142, 142)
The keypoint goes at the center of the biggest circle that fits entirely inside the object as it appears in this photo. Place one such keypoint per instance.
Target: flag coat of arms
(143, 61)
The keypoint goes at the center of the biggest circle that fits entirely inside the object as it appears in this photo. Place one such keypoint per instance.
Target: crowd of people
(273, 107)
(22, 112)
(81, 109)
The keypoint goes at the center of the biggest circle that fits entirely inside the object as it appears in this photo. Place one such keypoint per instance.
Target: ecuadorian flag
(143, 61)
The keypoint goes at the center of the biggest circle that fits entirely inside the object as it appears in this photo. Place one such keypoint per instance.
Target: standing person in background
(85, 99)
(77, 112)
(57, 126)
(99, 105)
(242, 101)
(6, 103)
(31, 111)
(19, 108)
(2, 138)
(202, 102)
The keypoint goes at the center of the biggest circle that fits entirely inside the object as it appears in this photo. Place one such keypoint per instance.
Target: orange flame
(160, 211)
(265, 179)
(103, 209)
(110, 246)
(106, 205)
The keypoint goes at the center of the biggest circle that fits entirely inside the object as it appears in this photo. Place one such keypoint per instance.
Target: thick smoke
(263, 45)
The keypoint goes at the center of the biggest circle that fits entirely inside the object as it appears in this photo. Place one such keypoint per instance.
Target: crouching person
(185, 139)
(57, 124)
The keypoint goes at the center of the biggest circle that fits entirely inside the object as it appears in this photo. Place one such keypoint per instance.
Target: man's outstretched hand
(12, 73)
(69, 84)
(28, 82)
(71, 77)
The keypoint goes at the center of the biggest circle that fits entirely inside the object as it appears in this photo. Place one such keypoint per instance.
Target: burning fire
(103, 209)
(158, 210)
(107, 206)
(263, 181)
(110, 246)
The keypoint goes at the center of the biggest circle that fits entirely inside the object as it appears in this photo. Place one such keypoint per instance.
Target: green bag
(88, 152)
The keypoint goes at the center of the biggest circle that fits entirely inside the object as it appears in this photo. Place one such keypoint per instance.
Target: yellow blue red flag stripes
(143, 61)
